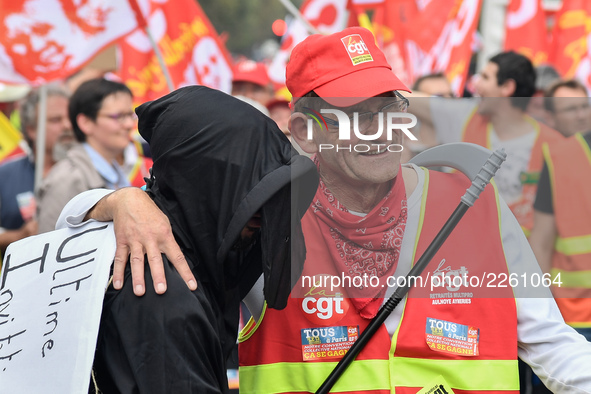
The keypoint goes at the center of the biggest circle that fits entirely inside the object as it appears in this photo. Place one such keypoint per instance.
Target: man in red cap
(370, 219)
(251, 83)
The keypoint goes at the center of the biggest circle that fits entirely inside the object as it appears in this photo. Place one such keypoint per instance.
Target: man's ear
(508, 88)
(298, 127)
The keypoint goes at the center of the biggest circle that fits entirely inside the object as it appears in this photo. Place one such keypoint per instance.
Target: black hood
(217, 162)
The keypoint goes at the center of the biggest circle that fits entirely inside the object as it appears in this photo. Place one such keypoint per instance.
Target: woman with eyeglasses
(101, 113)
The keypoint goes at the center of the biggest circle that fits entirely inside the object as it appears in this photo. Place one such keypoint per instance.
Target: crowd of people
(232, 212)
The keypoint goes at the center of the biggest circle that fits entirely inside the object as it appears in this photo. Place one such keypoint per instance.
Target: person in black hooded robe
(221, 170)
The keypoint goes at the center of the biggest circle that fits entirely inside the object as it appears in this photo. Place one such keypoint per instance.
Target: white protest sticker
(51, 292)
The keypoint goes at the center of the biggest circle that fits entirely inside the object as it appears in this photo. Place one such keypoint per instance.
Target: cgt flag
(390, 24)
(448, 49)
(570, 41)
(526, 30)
(45, 40)
(328, 16)
(190, 46)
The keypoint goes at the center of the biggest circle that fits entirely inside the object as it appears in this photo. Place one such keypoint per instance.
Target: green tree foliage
(247, 23)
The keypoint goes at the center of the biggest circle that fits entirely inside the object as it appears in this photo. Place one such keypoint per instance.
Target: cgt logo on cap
(356, 48)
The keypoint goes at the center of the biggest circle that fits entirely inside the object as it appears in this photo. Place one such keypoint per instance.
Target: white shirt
(557, 354)
(449, 119)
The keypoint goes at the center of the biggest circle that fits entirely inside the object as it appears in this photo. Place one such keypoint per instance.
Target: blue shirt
(111, 172)
(17, 178)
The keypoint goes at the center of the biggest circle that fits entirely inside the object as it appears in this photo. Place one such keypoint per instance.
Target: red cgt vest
(452, 338)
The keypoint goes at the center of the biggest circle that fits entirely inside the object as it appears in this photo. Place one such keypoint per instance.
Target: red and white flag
(447, 50)
(44, 40)
(570, 41)
(191, 49)
(525, 30)
(390, 24)
(328, 16)
(363, 4)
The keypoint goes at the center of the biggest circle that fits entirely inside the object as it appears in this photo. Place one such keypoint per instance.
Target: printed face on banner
(43, 39)
(190, 49)
(211, 66)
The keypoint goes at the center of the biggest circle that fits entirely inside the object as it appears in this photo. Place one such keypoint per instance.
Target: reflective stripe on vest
(573, 245)
(362, 375)
(572, 278)
(500, 374)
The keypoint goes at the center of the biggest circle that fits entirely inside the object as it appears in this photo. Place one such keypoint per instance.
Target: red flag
(451, 51)
(358, 12)
(390, 25)
(429, 23)
(44, 40)
(570, 53)
(459, 43)
(365, 4)
(328, 16)
(191, 48)
(526, 30)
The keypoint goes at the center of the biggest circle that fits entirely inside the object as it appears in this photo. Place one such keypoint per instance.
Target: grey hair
(29, 106)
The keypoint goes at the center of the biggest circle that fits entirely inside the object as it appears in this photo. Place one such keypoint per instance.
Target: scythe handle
(483, 177)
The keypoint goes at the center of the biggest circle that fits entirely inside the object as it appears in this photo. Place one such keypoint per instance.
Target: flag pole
(160, 58)
(40, 137)
(297, 14)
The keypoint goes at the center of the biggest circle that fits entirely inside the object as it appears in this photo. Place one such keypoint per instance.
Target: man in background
(251, 83)
(567, 102)
(17, 175)
(434, 85)
(561, 236)
(498, 119)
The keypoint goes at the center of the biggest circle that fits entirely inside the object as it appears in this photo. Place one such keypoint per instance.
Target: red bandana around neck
(364, 246)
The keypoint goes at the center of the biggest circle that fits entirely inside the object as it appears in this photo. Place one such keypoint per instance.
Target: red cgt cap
(251, 71)
(343, 68)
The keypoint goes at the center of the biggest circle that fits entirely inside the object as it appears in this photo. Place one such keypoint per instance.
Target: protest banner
(51, 293)
(45, 40)
(525, 30)
(192, 51)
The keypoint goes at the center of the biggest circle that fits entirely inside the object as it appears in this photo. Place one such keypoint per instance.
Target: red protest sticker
(452, 338)
(327, 343)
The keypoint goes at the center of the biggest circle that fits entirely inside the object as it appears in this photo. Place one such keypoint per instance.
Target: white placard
(51, 293)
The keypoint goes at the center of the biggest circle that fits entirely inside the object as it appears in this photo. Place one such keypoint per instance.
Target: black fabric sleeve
(157, 344)
(543, 201)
